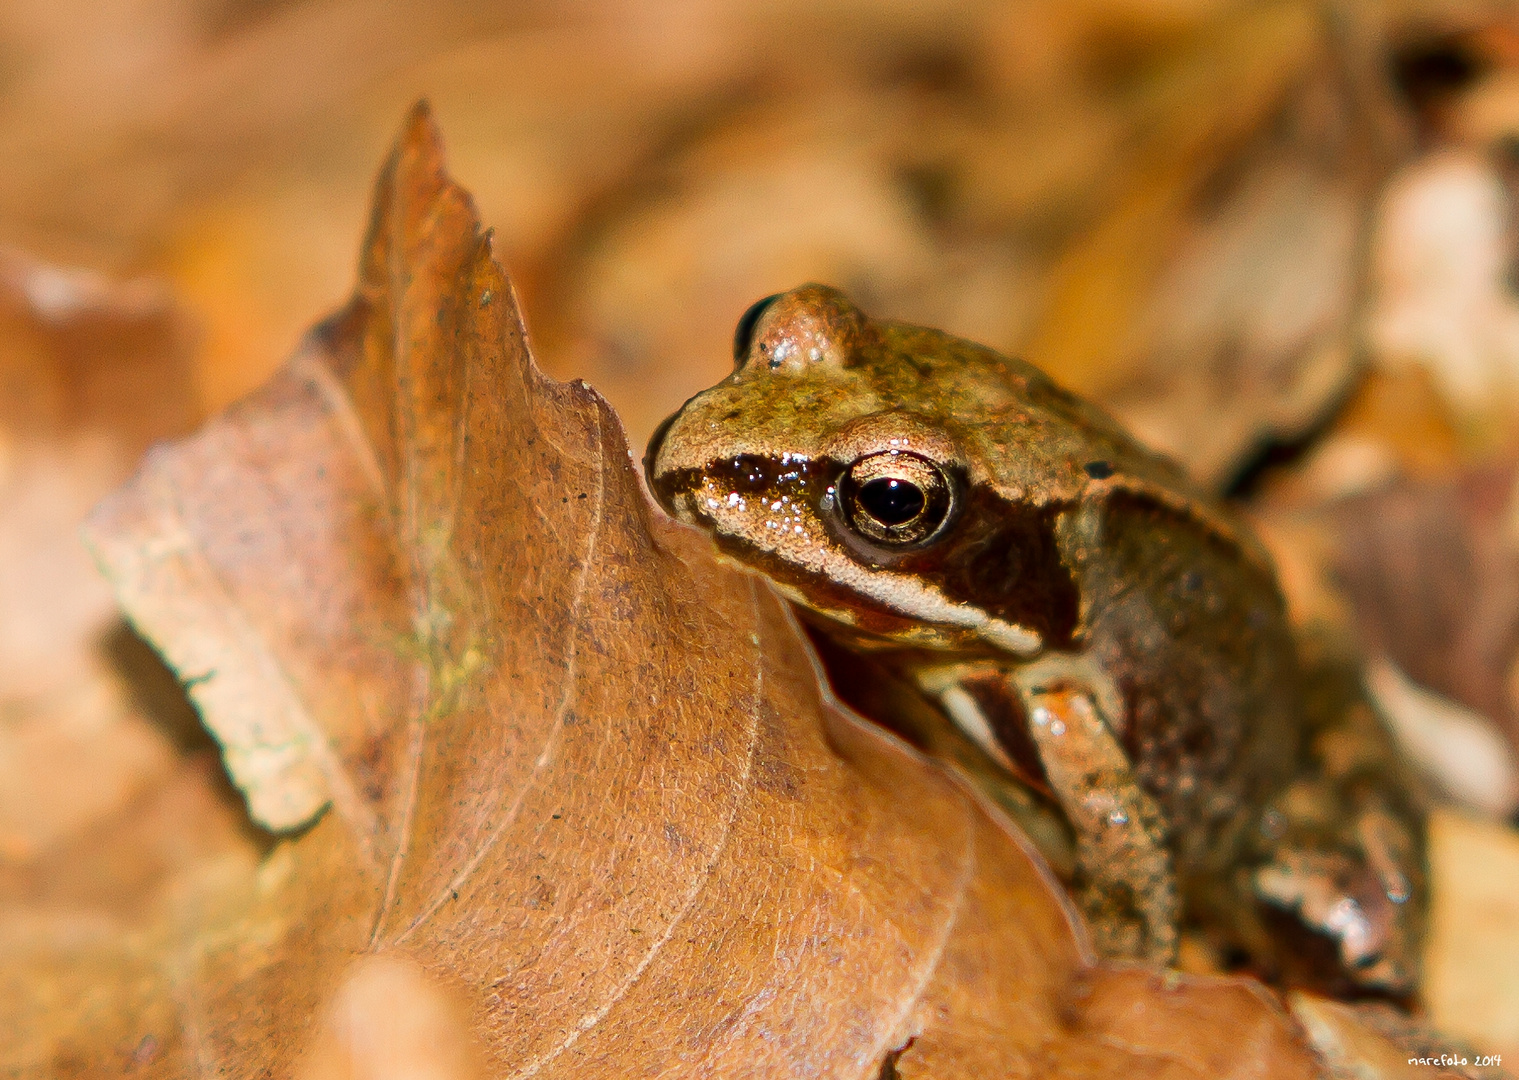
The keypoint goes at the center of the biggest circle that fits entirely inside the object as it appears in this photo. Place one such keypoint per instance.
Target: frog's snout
(679, 459)
(651, 458)
(754, 414)
(666, 478)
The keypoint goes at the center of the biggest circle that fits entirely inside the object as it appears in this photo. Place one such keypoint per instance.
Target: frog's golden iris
(896, 498)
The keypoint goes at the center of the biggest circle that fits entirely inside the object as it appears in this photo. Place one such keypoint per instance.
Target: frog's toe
(1364, 916)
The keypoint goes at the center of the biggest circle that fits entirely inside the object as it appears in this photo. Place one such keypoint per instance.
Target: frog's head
(845, 460)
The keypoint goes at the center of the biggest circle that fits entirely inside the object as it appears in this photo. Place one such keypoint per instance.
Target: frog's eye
(743, 336)
(895, 498)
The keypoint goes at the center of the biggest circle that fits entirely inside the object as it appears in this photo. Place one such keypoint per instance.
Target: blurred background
(1093, 183)
(1276, 238)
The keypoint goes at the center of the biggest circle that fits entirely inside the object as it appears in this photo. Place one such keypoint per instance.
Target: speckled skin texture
(1066, 540)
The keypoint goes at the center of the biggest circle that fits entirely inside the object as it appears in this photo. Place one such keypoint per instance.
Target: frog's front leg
(1124, 880)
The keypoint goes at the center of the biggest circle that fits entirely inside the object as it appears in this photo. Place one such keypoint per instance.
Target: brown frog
(1114, 641)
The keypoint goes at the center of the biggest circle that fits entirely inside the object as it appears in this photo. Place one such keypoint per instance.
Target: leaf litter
(110, 793)
(543, 764)
(1024, 137)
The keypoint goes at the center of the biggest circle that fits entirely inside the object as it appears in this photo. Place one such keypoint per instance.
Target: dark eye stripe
(743, 335)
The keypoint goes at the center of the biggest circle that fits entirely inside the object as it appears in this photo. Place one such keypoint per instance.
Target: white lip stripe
(725, 514)
(1019, 640)
(923, 602)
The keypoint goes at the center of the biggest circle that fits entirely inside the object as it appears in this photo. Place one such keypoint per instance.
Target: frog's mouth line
(895, 608)
(995, 575)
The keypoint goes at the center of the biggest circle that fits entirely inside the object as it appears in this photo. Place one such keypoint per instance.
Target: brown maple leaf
(543, 766)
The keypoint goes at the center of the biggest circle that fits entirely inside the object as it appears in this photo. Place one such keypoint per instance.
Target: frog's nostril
(743, 335)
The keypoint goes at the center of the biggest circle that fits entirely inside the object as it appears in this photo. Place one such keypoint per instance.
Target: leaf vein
(556, 730)
(699, 882)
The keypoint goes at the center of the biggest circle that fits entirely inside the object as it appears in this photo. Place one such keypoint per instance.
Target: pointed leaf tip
(420, 144)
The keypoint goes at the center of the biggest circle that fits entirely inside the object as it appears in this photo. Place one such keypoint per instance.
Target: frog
(1108, 638)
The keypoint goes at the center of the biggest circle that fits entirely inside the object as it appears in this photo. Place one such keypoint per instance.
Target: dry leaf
(581, 781)
(1394, 424)
(90, 372)
(1468, 759)
(1472, 960)
(1432, 571)
(1353, 1044)
(102, 812)
(1441, 278)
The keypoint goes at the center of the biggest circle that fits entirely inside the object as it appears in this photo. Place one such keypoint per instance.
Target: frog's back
(1027, 436)
(1178, 602)
(1013, 551)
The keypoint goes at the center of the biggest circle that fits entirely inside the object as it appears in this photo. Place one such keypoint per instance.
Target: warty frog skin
(1111, 639)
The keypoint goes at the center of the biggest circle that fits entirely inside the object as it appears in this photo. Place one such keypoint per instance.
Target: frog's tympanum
(1111, 638)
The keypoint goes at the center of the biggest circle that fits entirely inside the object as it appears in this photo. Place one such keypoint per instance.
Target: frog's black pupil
(743, 336)
(891, 502)
(1099, 470)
